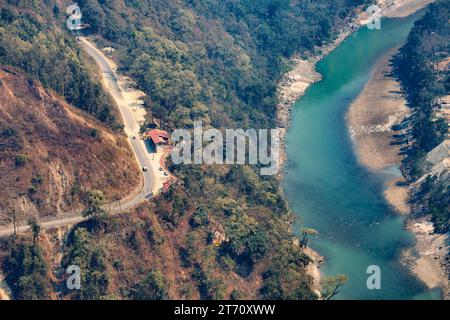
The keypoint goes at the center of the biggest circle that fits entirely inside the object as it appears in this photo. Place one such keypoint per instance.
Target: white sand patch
(396, 8)
(373, 113)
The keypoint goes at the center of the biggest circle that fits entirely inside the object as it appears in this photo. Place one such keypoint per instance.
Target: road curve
(131, 128)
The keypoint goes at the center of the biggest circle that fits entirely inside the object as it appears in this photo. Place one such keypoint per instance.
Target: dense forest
(425, 77)
(211, 60)
(32, 40)
(217, 61)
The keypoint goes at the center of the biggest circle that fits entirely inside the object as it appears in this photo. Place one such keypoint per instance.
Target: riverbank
(303, 70)
(313, 269)
(401, 8)
(301, 76)
(294, 84)
(370, 119)
(4, 295)
(396, 8)
(426, 260)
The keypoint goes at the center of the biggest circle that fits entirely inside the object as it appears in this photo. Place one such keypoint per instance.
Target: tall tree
(95, 202)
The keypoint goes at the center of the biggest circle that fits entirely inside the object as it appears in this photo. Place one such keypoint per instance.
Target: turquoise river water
(331, 192)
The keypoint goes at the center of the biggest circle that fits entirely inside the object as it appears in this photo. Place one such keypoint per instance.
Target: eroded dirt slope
(52, 153)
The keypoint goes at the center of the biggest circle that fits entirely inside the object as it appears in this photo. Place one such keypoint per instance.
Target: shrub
(21, 160)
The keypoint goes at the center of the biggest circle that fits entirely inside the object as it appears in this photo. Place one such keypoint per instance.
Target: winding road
(109, 75)
(131, 127)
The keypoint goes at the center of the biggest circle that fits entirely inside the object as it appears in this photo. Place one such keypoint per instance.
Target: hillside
(52, 153)
(220, 231)
(422, 68)
(34, 39)
(425, 79)
(214, 61)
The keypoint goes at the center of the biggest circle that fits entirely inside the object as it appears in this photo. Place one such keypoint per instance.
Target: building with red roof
(159, 138)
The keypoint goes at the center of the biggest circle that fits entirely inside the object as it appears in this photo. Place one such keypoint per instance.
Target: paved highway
(132, 128)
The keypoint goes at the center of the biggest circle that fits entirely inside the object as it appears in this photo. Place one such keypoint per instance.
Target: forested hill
(33, 38)
(225, 56)
(422, 66)
(211, 60)
(219, 62)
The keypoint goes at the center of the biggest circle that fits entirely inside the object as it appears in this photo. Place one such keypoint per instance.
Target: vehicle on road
(149, 196)
(144, 169)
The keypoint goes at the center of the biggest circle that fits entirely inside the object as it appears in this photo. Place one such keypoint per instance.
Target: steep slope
(221, 231)
(439, 160)
(35, 40)
(425, 79)
(422, 68)
(52, 153)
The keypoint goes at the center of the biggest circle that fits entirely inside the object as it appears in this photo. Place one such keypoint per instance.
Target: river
(331, 192)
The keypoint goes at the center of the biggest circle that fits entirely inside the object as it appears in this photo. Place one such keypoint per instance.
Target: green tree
(85, 252)
(153, 287)
(35, 230)
(27, 272)
(199, 218)
(95, 202)
(331, 286)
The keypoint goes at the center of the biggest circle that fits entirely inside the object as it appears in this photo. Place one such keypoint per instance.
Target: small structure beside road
(159, 138)
(161, 146)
